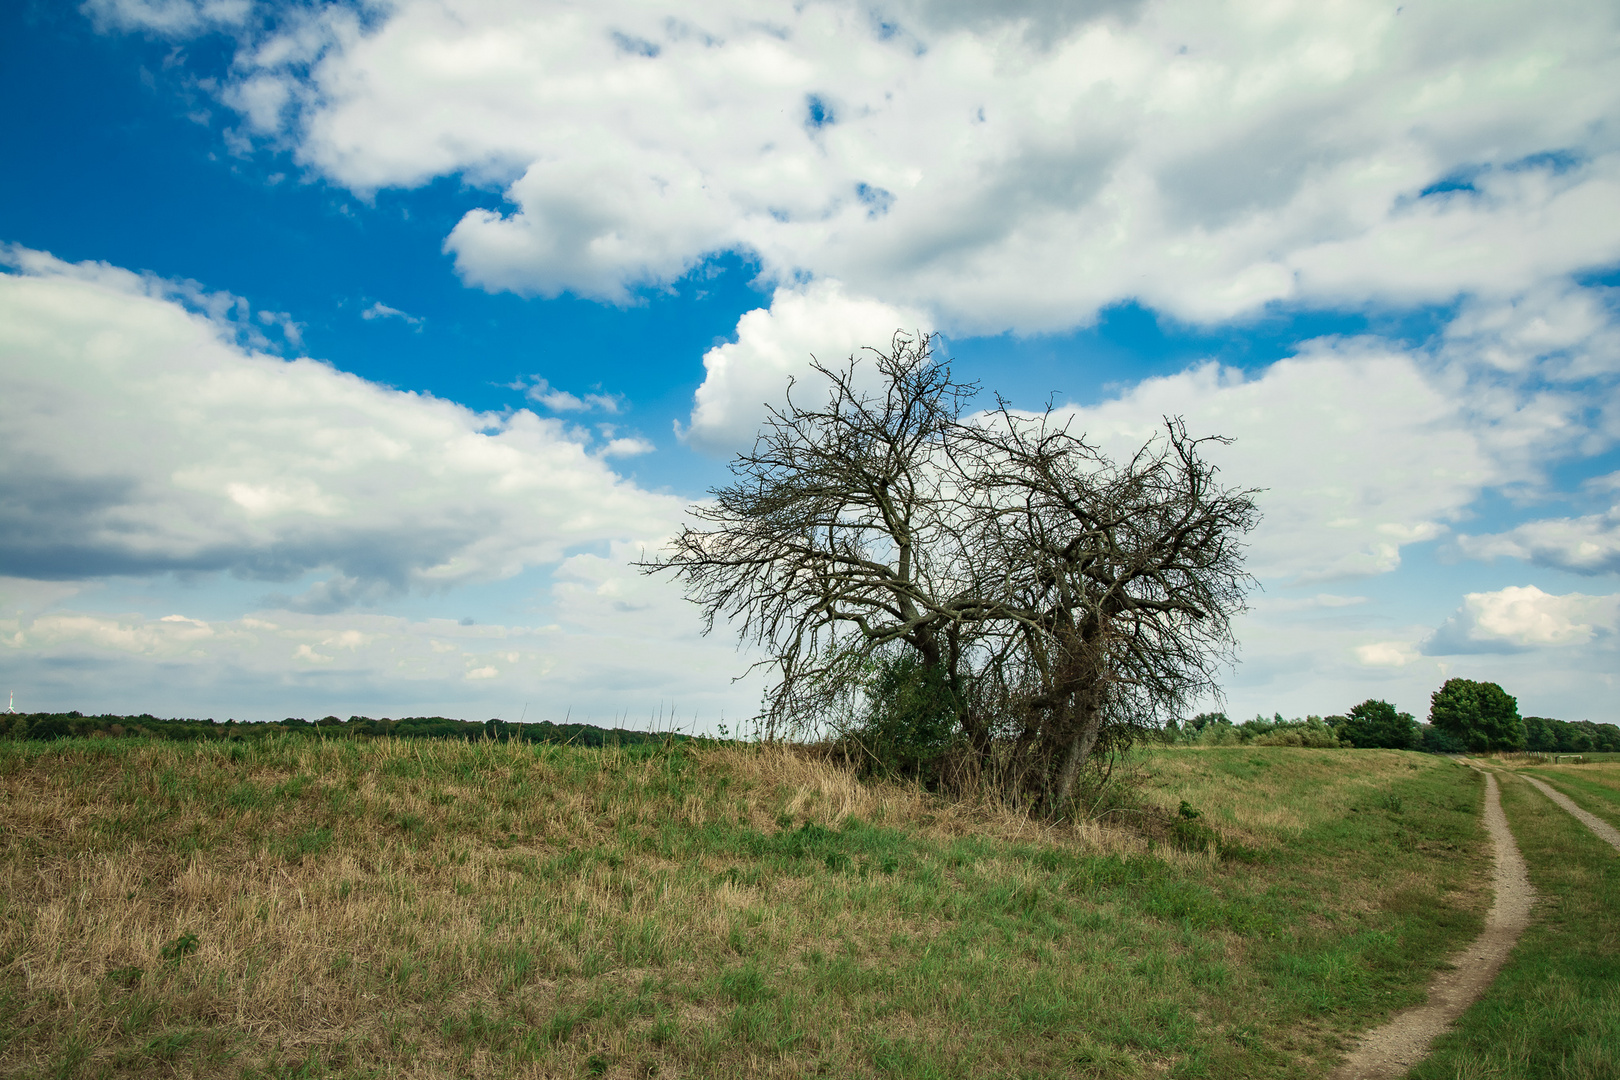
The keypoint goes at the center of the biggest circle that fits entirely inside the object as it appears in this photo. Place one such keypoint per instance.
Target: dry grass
(1255, 792)
(438, 908)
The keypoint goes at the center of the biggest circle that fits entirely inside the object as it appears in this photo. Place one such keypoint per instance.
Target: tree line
(47, 726)
(1465, 716)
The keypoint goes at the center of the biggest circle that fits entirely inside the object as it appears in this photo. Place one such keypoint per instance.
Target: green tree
(1541, 734)
(1375, 724)
(1480, 715)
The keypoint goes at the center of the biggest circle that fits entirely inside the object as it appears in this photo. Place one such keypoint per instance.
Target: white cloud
(260, 466)
(1358, 452)
(1299, 664)
(169, 17)
(1523, 617)
(1556, 331)
(627, 446)
(820, 320)
(1387, 653)
(542, 393)
(611, 646)
(380, 310)
(1585, 545)
(1013, 166)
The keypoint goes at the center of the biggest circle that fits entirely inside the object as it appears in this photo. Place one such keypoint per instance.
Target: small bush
(909, 723)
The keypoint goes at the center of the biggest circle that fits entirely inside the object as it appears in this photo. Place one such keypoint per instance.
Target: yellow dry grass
(1270, 794)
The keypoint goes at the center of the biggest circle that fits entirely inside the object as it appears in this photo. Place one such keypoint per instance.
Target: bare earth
(1600, 828)
(1391, 1050)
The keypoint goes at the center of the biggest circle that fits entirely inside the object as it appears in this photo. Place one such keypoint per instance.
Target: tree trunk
(1078, 751)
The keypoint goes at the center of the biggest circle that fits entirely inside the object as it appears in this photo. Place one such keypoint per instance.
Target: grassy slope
(1554, 1012)
(486, 910)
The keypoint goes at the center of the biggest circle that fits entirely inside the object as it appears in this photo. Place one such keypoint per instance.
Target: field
(391, 908)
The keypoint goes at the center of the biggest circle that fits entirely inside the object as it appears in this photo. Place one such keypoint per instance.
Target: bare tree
(1063, 599)
(831, 542)
(1115, 583)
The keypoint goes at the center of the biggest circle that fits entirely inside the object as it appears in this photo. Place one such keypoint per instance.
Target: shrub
(908, 724)
(1432, 740)
(1312, 731)
(1376, 724)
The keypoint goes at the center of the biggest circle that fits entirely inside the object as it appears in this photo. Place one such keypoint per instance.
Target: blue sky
(351, 353)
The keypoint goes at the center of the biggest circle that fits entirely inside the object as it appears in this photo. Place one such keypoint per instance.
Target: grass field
(298, 908)
(1554, 1011)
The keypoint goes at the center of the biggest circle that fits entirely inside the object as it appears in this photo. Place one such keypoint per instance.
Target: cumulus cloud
(1010, 166)
(231, 316)
(1387, 653)
(627, 446)
(1559, 332)
(1520, 618)
(1357, 450)
(264, 467)
(820, 321)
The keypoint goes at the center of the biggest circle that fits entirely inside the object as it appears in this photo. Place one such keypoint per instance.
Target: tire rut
(1600, 828)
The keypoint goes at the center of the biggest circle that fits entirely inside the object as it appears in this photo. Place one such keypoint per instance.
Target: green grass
(1554, 1011)
(359, 909)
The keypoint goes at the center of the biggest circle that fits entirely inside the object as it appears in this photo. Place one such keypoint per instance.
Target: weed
(126, 978)
(182, 946)
(168, 1046)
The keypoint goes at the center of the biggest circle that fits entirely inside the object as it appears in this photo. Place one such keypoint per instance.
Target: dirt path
(1391, 1050)
(1602, 829)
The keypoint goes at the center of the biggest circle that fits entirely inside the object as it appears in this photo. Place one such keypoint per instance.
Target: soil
(1602, 829)
(1391, 1050)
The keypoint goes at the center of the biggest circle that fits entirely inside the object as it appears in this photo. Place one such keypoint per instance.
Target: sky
(351, 354)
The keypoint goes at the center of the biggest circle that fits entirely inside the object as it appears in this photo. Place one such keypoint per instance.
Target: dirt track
(1391, 1050)
(1600, 828)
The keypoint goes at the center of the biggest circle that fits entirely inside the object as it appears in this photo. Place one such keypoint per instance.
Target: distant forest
(1543, 734)
(66, 725)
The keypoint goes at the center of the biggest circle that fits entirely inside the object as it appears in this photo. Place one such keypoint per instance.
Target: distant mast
(11, 706)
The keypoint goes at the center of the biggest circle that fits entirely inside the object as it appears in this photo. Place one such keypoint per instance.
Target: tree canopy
(1376, 724)
(1480, 715)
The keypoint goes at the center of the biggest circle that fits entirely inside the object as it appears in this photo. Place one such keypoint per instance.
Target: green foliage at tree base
(909, 723)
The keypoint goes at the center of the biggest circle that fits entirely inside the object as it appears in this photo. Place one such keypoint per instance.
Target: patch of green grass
(1553, 1012)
